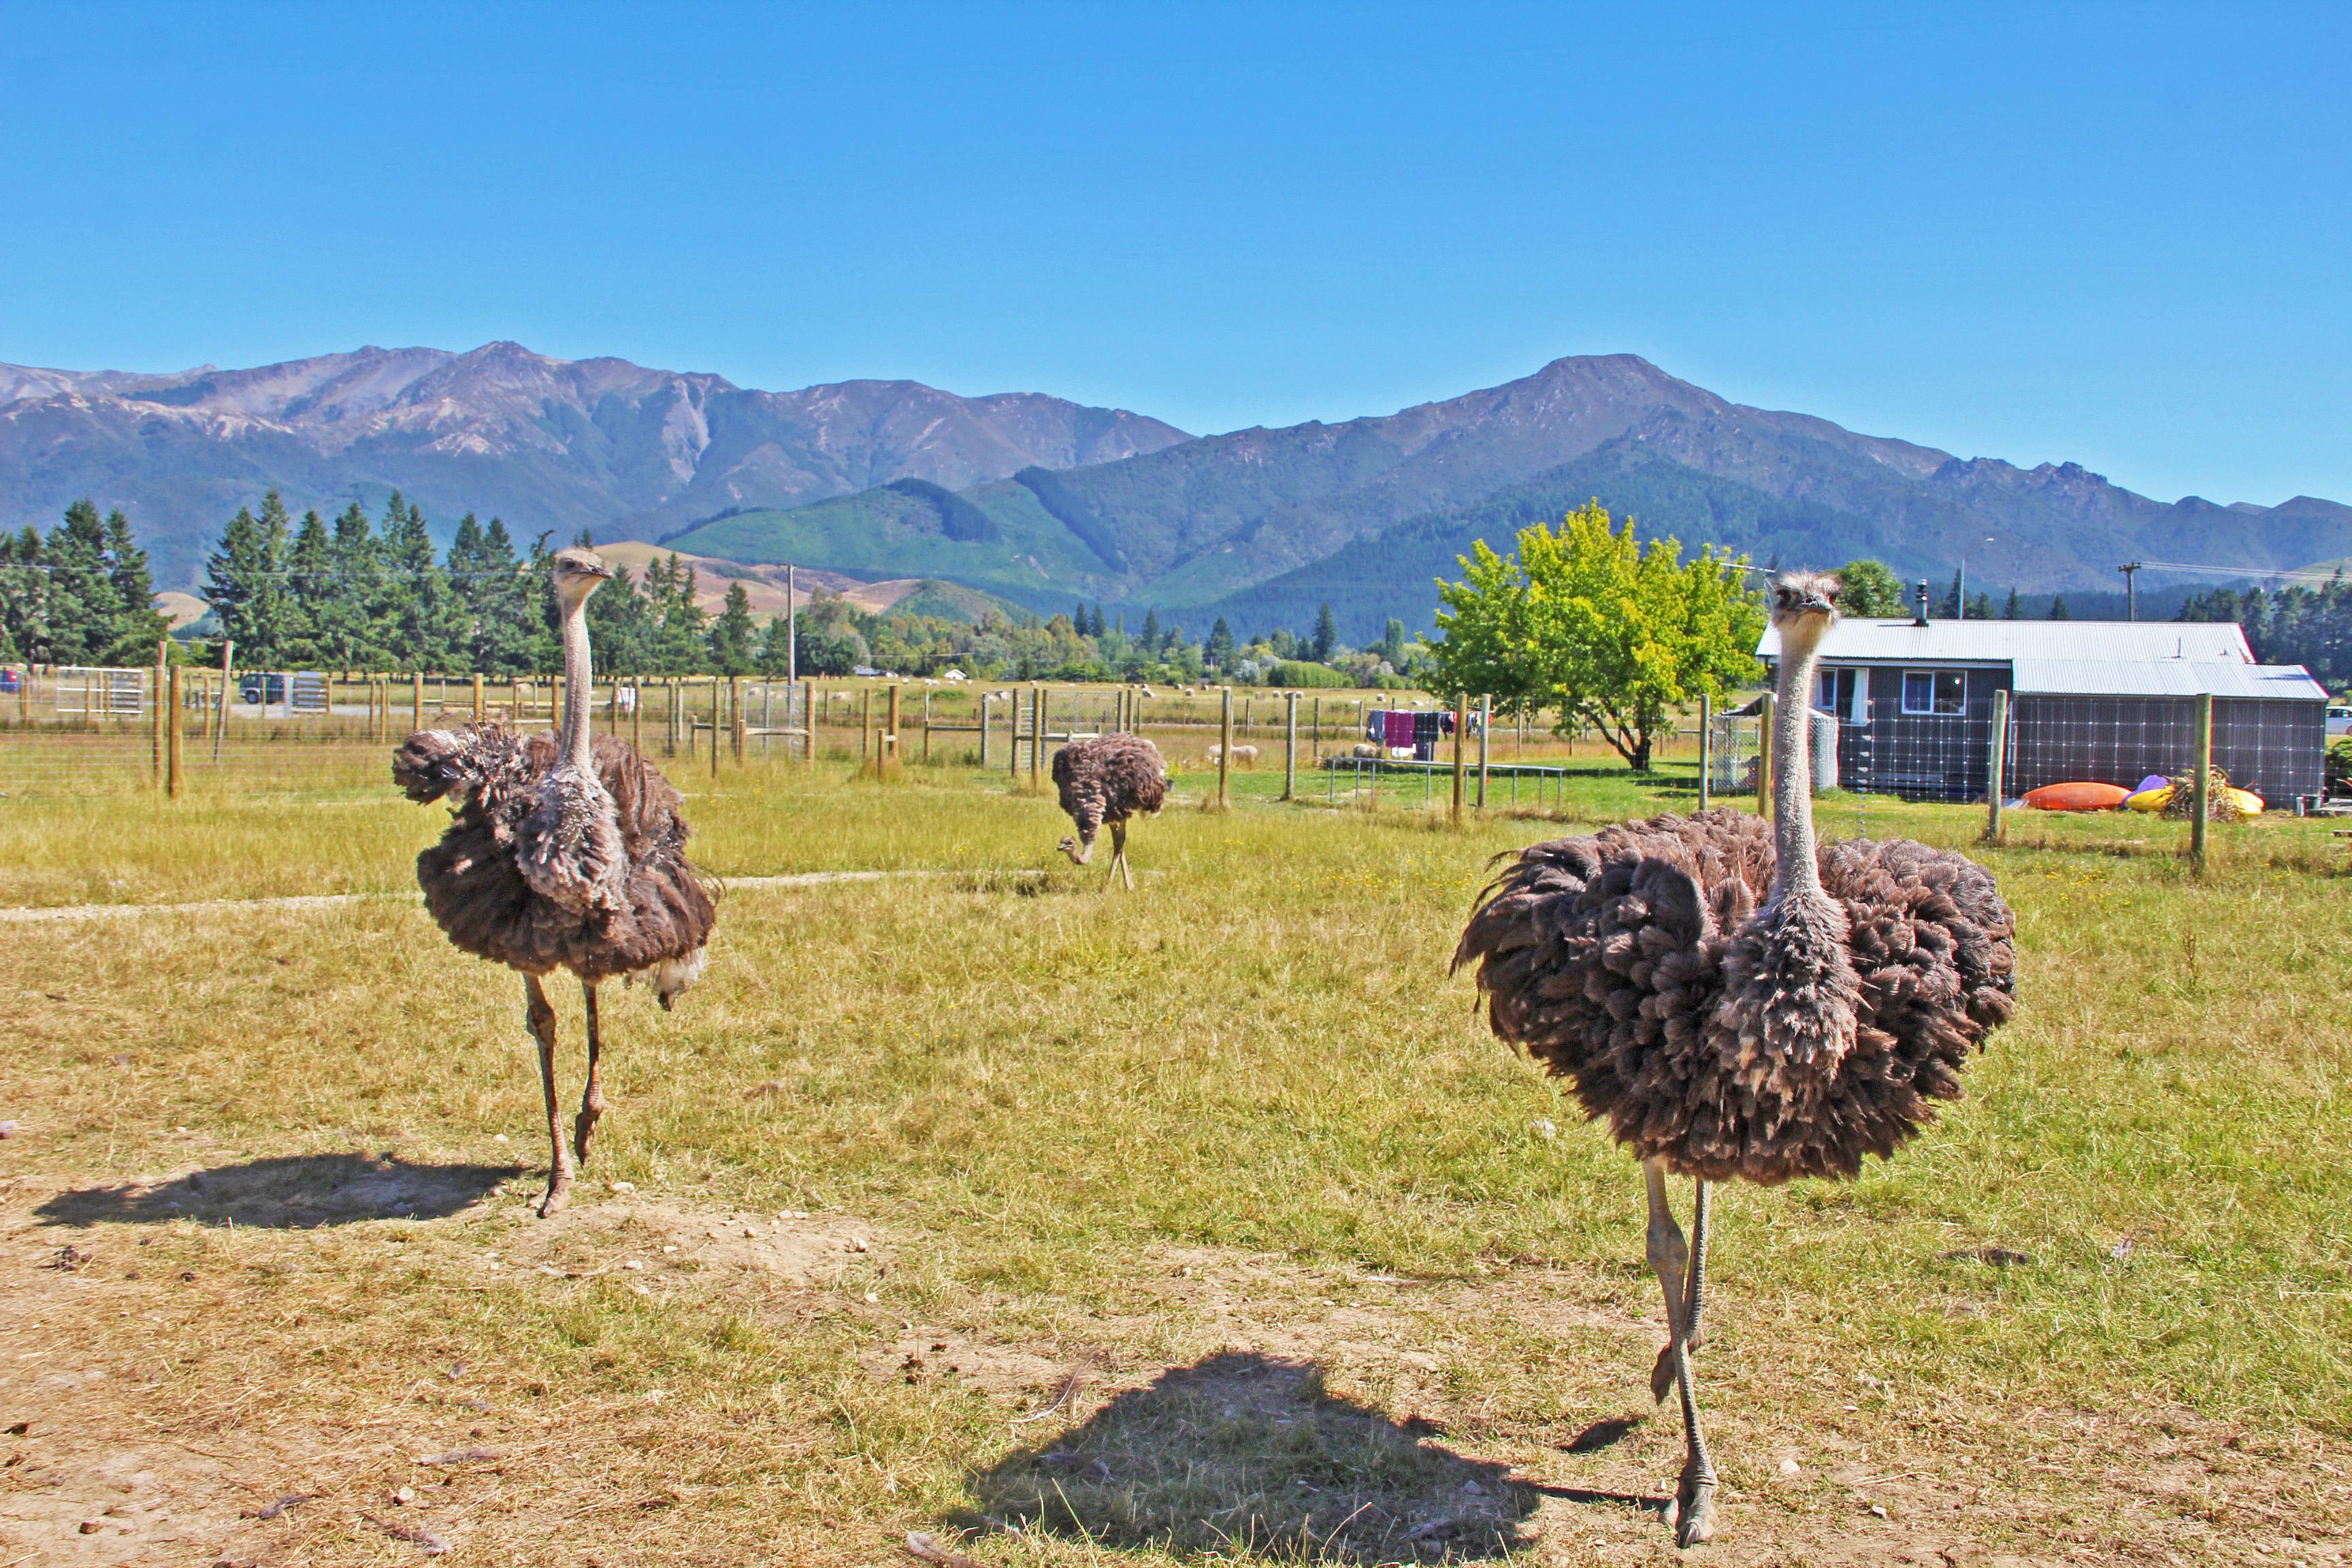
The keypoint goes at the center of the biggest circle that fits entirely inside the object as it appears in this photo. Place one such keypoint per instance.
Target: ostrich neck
(1792, 768)
(578, 691)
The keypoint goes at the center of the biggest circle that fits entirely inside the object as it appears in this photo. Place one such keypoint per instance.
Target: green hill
(1003, 541)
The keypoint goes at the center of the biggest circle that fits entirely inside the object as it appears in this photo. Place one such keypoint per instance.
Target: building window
(1942, 692)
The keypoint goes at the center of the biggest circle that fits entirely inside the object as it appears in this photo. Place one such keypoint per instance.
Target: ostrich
(1739, 1003)
(563, 854)
(1108, 779)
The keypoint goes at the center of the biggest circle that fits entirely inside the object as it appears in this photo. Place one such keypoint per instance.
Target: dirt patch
(832, 1251)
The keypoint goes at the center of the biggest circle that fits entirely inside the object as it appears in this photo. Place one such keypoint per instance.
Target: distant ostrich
(564, 854)
(1739, 1003)
(1108, 780)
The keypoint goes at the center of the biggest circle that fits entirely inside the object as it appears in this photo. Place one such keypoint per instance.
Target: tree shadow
(1244, 1453)
(290, 1192)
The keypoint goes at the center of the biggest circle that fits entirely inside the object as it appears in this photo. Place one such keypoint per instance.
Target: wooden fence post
(1224, 746)
(714, 727)
(1461, 723)
(1764, 755)
(1997, 764)
(477, 698)
(1036, 735)
(889, 753)
(2202, 802)
(982, 698)
(735, 718)
(172, 735)
(1486, 727)
(415, 702)
(162, 679)
(1706, 749)
(1289, 745)
(227, 679)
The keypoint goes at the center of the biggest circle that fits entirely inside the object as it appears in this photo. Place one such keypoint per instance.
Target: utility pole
(2131, 589)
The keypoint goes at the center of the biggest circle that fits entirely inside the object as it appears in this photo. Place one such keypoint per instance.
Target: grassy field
(1203, 1225)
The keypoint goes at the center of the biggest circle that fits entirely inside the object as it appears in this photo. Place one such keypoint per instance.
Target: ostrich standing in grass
(1108, 780)
(563, 854)
(1739, 1003)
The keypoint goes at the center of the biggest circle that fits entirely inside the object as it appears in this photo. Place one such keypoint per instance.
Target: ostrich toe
(1692, 1513)
(559, 1195)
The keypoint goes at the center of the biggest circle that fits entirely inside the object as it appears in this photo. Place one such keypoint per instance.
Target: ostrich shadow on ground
(1245, 1454)
(291, 1193)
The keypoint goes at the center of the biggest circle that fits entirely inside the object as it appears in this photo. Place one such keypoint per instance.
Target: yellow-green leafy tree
(1587, 621)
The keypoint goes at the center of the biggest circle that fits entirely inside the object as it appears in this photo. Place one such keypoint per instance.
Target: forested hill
(549, 445)
(1270, 522)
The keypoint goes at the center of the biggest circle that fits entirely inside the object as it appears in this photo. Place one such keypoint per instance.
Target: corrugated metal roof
(2163, 677)
(2001, 642)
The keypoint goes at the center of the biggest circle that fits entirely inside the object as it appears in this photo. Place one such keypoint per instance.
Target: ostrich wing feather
(1642, 965)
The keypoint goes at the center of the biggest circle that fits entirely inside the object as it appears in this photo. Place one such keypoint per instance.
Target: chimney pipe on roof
(1920, 616)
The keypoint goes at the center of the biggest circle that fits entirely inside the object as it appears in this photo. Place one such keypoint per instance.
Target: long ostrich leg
(1661, 1375)
(1669, 1257)
(1692, 1511)
(543, 1029)
(1118, 854)
(591, 1100)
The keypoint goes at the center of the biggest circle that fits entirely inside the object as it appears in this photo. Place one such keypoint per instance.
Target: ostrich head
(1804, 607)
(1078, 849)
(578, 574)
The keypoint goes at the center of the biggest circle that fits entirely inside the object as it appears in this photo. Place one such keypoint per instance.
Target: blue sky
(2115, 234)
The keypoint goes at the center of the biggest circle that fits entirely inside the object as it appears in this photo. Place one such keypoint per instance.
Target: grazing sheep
(1244, 756)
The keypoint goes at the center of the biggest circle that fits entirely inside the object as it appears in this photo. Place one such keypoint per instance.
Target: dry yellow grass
(1234, 1151)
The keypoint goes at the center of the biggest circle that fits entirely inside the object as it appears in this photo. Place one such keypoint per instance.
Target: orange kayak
(2077, 797)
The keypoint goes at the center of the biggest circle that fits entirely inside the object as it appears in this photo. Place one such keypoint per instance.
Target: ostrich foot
(1692, 1513)
(559, 1195)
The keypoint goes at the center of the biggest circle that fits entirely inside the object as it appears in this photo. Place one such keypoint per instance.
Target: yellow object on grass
(2249, 803)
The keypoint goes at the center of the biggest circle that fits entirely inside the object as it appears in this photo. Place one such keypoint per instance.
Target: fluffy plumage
(1108, 780)
(1633, 964)
(540, 873)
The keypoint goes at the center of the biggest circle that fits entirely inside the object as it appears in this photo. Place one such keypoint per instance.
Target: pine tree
(732, 649)
(141, 625)
(310, 591)
(361, 598)
(245, 583)
(775, 646)
(2058, 610)
(2009, 610)
(1327, 632)
(84, 610)
(424, 623)
(1100, 625)
(1218, 651)
(1149, 637)
(23, 598)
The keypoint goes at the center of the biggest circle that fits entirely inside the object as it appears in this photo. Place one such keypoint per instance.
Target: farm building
(2112, 701)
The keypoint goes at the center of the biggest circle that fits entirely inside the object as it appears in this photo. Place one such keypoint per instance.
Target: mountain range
(548, 444)
(1043, 501)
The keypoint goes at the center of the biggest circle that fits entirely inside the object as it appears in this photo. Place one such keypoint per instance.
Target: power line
(2321, 574)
